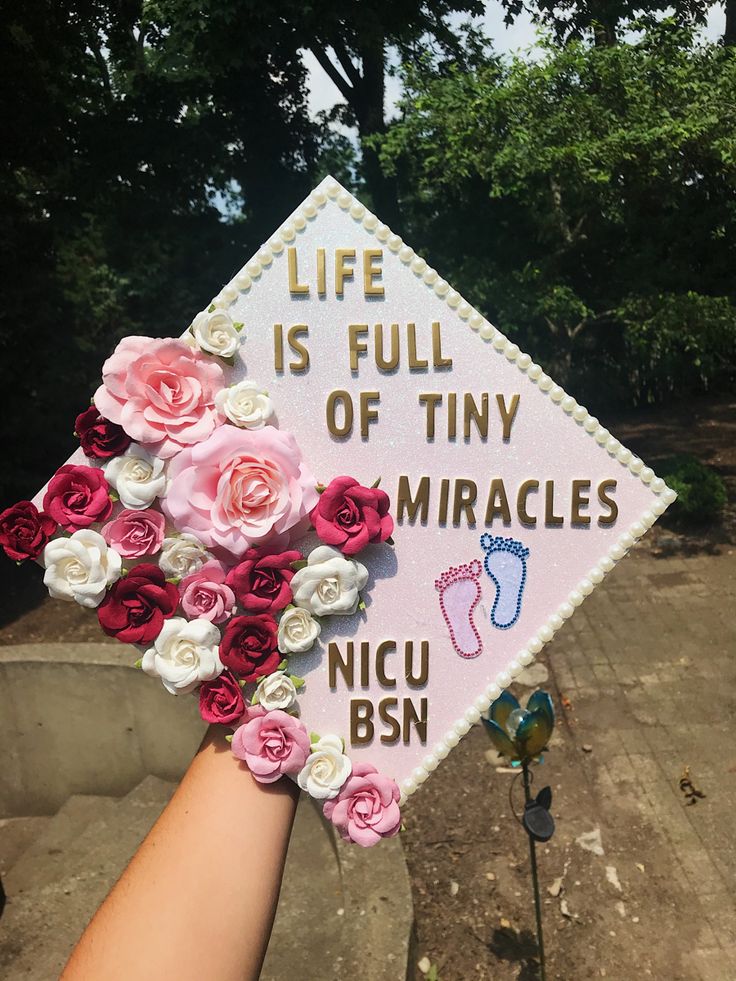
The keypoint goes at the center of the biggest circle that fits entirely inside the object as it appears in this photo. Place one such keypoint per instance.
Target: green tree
(564, 194)
(148, 147)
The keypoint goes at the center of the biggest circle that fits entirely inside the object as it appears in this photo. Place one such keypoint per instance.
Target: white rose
(326, 770)
(184, 653)
(298, 631)
(182, 556)
(329, 583)
(216, 333)
(137, 476)
(245, 404)
(81, 567)
(276, 691)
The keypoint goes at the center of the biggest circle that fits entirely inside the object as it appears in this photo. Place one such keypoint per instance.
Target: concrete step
(16, 836)
(344, 911)
(43, 861)
(45, 915)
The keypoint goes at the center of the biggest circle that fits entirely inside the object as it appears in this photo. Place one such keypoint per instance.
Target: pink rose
(77, 497)
(367, 807)
(135, 533)
(205, 596)
(162, 392)
(271, 744)
(240, 488)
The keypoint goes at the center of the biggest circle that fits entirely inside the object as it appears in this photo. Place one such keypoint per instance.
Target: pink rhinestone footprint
(459, 590)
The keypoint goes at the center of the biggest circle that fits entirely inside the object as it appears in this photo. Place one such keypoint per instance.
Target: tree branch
(343, 56)
(343, 87)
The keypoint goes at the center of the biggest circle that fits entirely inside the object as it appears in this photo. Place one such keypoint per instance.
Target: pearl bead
(545, 383)
(254, 268)
(370, 222)
(555, 622)
(418, 265)
(453, 299)
(545, 634)
(613, 446)
(482, 703)
(442, 287)
(300, 223)
(493, 691)
(566, 610)
(357, 210)
(382, 233)
(230, 294)
(568, 404)
(525, 657)
(419, 774)
(461, 727)
(333, 189)
(576, 597)
(465, 310)
(472, 715)
(606, 564)
(657, 485)
(580, 414)
(487, 331)
(535, 372)
(590, 424)
(430, 762)
(344, 199)
(624, 455)
(523, 362)
(243, 281)
(636, 465)
(601, 435)
(441, 751)
(452, 739)
(394, 243)
(319, 198)
(431, 276)
(503, 680)
(512, 351)
(646, 474)
(557, 394)
(500, 342)
(406, 254)
(277, 245)
(287, 233)
(535, 645)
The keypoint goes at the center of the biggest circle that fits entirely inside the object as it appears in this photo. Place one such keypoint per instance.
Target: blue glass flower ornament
(517, 733)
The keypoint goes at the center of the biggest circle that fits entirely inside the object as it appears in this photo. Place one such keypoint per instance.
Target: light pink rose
(367, 807)
(162, 392)
(204, 595)
(135, 533)
(271, 744)
(241, 488)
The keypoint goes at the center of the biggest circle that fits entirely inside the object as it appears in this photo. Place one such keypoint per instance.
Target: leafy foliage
(701, 491)
(586, 201)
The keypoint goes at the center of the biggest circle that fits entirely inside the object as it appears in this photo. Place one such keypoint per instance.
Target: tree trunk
(369, 108)
(729, 35)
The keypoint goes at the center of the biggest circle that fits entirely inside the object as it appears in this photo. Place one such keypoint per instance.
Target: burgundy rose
(221, 700)
(350, 516)
(261, 581)
(136, 606)
(24, 530)
(77, 497)
(98, 436)
(249, 646)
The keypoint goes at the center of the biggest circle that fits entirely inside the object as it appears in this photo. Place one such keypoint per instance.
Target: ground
(644, 683)
(643, 680)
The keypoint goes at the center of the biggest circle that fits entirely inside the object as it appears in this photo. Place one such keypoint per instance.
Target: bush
(701, 493)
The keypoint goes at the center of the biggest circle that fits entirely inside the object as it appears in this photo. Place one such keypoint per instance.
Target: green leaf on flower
(229, 361)
(361, 605)
(238, 326)
(138, 663)
(320, 488)
(229, 738)
(211, 308)
(314, 737)
(256, 700)
(113, 497)
(390, 541)
(283, 665)
(242, 683)
(175, 580)
(296, 566)
(376, 483)
(296, 681)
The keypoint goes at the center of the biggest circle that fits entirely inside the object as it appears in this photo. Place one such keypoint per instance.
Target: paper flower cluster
(180, 530)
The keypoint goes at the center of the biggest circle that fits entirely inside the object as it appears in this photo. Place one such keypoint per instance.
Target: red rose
(350, 516)
(98, 436)
(24, 531)
(136, 606)
(261, 581)
(249, 646)
(77, 497)
(221, 700)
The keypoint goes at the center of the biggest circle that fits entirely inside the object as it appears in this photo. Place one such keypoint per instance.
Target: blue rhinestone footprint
(505, 563)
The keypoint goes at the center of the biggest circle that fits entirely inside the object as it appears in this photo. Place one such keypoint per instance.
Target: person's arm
(199, 898)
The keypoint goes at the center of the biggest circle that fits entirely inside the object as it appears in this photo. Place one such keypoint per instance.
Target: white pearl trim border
(330, 190)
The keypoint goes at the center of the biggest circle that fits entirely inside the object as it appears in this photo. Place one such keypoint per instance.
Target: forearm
(199, 898)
